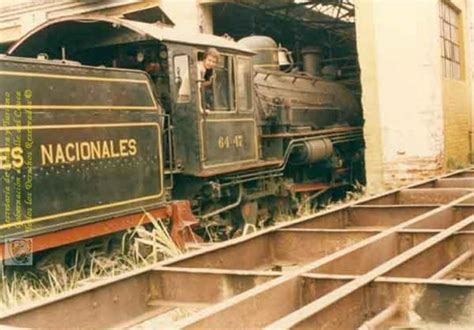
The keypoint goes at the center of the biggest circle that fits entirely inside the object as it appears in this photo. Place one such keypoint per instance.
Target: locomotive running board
(402, 258)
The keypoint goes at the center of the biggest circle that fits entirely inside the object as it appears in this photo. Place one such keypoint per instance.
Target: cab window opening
(244, 84)
(216, 84)
(181, 80)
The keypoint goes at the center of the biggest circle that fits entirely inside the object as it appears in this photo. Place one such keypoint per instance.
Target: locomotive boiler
(120, 125)
(299, 105)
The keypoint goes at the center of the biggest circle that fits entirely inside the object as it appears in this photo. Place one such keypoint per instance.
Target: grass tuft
(140, 247)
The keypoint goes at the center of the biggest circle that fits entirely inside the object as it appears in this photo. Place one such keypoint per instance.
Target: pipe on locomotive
(292, 145)
(225, 208)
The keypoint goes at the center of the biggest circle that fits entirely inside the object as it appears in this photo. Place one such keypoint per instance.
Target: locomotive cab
(220, 119)
(214, 130)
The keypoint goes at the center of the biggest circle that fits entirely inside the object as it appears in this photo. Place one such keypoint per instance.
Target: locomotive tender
(121, 126)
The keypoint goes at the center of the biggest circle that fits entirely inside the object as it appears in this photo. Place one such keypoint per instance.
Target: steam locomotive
(103, 124)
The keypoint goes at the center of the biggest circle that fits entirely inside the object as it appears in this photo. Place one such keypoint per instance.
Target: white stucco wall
(20, 17)
(410, 92)
(407, 68)
(188, 15)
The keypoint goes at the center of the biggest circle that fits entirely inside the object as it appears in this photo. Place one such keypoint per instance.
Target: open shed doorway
(328, 27)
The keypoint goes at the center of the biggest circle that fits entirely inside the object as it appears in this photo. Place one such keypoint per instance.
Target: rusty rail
(400, 259)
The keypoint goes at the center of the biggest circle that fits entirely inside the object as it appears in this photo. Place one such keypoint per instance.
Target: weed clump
(141, 246)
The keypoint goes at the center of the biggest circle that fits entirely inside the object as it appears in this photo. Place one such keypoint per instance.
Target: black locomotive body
(267, 139)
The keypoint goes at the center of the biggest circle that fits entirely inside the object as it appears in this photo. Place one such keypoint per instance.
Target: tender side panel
(82, 90)
(75, 148)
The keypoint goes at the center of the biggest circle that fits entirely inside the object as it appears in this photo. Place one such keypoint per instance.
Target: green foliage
(455, 164)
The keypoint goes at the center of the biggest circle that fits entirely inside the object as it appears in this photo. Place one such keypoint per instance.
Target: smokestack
(312, 60)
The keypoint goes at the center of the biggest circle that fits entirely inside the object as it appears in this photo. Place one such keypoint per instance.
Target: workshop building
(410, 62)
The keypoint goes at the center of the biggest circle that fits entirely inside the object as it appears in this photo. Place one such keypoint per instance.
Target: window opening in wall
(450, 40)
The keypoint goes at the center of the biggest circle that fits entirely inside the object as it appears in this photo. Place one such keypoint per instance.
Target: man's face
(210, 62)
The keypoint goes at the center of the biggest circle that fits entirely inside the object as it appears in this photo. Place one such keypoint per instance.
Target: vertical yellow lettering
(4, 155)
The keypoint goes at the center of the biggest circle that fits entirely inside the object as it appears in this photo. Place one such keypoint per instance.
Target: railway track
(400, 259)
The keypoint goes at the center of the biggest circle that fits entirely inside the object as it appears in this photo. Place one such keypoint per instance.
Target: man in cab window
(206, 74)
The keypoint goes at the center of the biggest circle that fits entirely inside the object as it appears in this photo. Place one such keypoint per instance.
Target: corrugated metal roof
(157, 31)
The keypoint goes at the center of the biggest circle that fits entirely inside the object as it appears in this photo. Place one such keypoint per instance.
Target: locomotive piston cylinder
(312, 151)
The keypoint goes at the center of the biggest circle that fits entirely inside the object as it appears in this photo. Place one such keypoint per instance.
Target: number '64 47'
(225, 142)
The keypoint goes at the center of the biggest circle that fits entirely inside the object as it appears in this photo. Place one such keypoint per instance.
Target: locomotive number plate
(229, 141)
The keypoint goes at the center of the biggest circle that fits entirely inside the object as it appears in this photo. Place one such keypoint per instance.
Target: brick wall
(457, 122)
(457, 106)
(417, 122)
